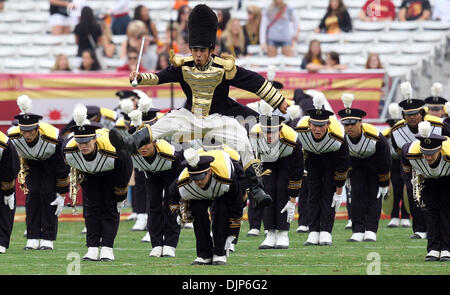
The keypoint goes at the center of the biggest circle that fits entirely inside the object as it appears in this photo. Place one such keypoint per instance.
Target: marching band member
(370, 170)
(327, 162)
(436, 103)
(106, 173)
(44, 176)
(428, 158)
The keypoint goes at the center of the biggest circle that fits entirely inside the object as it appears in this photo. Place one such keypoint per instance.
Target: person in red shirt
(132, 61)
(377, 10)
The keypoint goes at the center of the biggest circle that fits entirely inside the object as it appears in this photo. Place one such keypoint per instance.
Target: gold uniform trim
(120, 191)
(149, 79)
(108, 114)
(384, 177)
(63, 182)
(371, 131)
(7, 185)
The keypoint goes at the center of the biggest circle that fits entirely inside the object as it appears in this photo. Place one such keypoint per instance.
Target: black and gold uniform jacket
(387, 134)
(122, 126)
(402, 134)
(108, 118)
(48, 173)
(103, 167)
(286, 152)
(224, 184)
(412, 158)
(370, 152)
(207, 88)
(330, 151)
(165, 158)
(9, 166)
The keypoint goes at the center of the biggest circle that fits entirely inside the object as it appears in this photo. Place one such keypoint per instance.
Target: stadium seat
(119, 39)
(48, 40)
(359, 37)
(261, 64)
(435, 26)
(20, 6)
(349, 49)
(254, 50)
(239, 14)
(113, 63)
(420, 48)
(308, 26)
(297, 4)
(44, 65)
(68, 50)
(291, 63)
(15, 40)
(29, 29)
(43, 6)
(405, 60)
(302, 49)
(403, 26)
(34, 51)
(166, 16)
(324, 38)
(360, 61)
(383, 48)
(5, 29)
(355, 4)
(402, 72)
(9, 51)
(393, 37)
(315, 15)
(12, 17)
(368, 26)
(429, 37)
(33, 17)
(319, 4)
(19, 65)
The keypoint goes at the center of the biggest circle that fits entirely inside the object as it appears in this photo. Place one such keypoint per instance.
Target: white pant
(181, 125)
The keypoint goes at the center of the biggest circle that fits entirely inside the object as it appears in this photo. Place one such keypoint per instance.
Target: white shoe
(395, 222)
(106, 254)
(168, 251)
(349, 224)
(141, 222)
(146, 238)
(325, 238)
(270, 240)
(302, 229)
(46, 245)
(92, 254)
(356, 237)
(132, 216)
(433, 255)
(370, 236)
(422, 235)
(189, 225)
(313, 238)
(156, 251)
(282, 240)
(32, 244)
(445, 255)
(201, 261)
(219, 260)
(2, 250)
(84, 230)
(405, 222)
(232, 247)
(254, 232)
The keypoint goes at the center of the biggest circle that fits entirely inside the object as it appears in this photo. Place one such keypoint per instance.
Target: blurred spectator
(60, 21)
(2, 5)
(89, 61)
(313, 60)
(172, 35)
(141, 13)
(251, 28)
(136, 30)
(441, 10)
(61, 64)
(414, 10)
(163, 61)
(121, 18)
(374, 61)
(109, 48)
(279, 28)
(336, 19)
(132, 61)
(332, 62)
(223, 16)
(88, 32)
(377, 10)
(183, 19)
(233, 39)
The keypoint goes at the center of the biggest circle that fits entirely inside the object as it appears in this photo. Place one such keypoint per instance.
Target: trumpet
(76, 177)
(24, 170)
(417, 181)
(185, 212)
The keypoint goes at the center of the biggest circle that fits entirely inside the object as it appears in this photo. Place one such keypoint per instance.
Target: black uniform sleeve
(62, 170)
(406, 165)
(295, 166)
(240, 174)
(170, 74)
(383, 161)
(233, 199)
(446, 129)
(341, 164)
(10, 166)
(173, 197)
(123, 168)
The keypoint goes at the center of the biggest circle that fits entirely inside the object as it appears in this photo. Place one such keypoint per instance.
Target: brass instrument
(76, 177)
(417, 182)
(24, 170)
(185, 212)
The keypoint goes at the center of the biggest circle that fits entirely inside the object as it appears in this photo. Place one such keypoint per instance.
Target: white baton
(135, 82)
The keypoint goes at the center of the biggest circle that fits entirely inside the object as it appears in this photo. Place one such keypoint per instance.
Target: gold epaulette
(386, 132)
(14, 132)
(104, 145)
(184, 178)
(48, 132)
(108, 114)
(414, 150)
(228, 63)
(165, 150)
(288, 135)
(219, 166)
(434, 121)
(232, 152)
(336, 130)
(3, 140)
(446, 150)
(302, 125)
(120, 124)
(398, 125)
(371, 131)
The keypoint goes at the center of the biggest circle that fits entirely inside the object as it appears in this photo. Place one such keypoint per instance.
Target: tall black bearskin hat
(202, 27)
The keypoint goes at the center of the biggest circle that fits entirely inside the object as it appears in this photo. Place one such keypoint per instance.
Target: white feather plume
(254, 106)
(192, 157)
(425, 129)
(347, 99)
(406, 90)
(126, 105)
(447, 107)
(265, 108)
(318, 100)
(135, 117)
(293, 111)
(24, 103)
(394, 111)
(80, 114)
(145, 104)
(436, 89)
(311, 92)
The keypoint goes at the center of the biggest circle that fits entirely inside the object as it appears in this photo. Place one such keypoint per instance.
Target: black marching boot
(256, 192)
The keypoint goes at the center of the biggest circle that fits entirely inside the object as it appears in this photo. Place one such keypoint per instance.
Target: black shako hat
(150, 116)
(86, 132)
(411, 106)
(430, 145)
(269, 123)
(319, 117)
(122, 94)
(28, 121)
(200, 170)
(351, 115)
(202, 27)
(435, 101)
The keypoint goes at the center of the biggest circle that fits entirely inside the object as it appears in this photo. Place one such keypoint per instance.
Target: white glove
(228, 243)
(9, 200)
(290, 208)
(337, 200)
(180, 223)
(120, 205)
(382, 192)
(59, 203)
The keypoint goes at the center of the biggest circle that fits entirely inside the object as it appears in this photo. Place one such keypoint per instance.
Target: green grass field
(396, 252)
